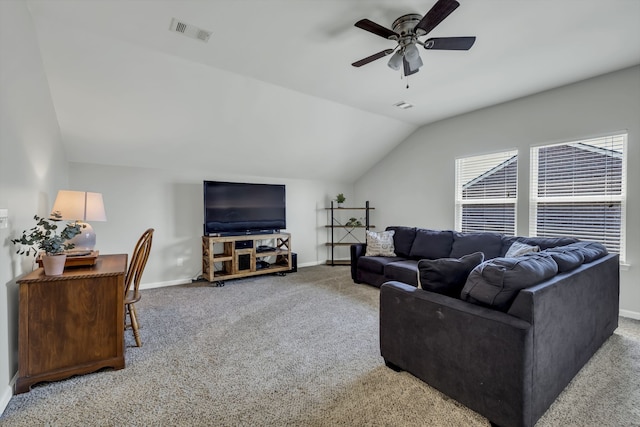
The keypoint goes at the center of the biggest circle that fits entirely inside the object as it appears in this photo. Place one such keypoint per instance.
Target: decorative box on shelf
(76, 259)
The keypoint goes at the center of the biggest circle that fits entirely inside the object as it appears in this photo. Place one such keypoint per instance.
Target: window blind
(579, 189)
(486, 193)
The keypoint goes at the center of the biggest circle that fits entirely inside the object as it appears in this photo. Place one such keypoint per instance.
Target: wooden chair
(132, 281)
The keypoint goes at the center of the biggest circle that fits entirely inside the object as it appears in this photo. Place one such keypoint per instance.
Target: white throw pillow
(380, 244)
(518, 248)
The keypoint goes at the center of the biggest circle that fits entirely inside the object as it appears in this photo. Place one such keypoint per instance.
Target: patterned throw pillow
(518, 249)
(380, 244)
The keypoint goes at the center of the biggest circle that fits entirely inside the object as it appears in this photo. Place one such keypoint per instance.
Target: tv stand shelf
(237, 256)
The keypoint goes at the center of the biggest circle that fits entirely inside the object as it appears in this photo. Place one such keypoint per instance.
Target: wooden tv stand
(239, 256)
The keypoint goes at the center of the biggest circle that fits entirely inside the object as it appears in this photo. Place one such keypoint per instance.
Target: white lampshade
(395, 61)
(411, 52)
(80, 206)
(412, 56)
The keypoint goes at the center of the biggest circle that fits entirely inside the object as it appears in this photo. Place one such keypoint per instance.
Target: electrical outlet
(180, 261)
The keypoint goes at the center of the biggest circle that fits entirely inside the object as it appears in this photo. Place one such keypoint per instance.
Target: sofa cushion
(591, 250)
(447, 275)
(403, 239)
(496, 283)
(518, 248)
(542, 242)
(375, 264)
(566, 257)
(380, 244)
(431, 244)
(490, 244)
(403, 271)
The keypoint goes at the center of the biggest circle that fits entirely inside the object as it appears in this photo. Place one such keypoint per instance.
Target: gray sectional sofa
(501, 335)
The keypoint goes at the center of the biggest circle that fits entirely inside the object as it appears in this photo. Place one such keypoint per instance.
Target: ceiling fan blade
(376, 29)
(372, 58)
(407, 68)
(436, 15)
(449, 43)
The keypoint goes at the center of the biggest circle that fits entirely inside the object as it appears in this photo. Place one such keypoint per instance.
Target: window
(486, 193)
(579, 189)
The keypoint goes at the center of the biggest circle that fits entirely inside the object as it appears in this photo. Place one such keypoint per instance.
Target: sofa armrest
(478, 356)
(357, 250)
(573, 314)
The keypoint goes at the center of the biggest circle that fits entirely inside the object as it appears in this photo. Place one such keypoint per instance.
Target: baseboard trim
(7, 394)
(188, 280)
(164, 284)
(630, 314)
(311, 264)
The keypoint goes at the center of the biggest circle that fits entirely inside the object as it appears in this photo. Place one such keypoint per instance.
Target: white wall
(414, 185)
(32, 164)
(170, 201)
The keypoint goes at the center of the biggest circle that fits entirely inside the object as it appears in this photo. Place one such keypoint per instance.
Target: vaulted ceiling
(273, 89)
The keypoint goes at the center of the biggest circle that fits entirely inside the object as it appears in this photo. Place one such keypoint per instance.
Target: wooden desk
(71, 324)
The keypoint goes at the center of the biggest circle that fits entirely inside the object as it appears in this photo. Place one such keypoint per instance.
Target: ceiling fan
(406, 31)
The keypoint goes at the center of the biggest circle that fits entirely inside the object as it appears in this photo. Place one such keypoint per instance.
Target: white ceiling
(273, 89)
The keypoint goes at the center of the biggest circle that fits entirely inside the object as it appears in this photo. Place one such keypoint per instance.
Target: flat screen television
(233, 208)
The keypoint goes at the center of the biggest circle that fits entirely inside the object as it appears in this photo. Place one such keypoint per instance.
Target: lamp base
(86, 240)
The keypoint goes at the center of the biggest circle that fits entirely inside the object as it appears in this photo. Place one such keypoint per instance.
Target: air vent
(189, 30)
(402, 105)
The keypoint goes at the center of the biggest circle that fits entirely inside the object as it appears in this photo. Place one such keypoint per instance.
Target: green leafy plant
(354, 222)
(340, 198)
(44, 236)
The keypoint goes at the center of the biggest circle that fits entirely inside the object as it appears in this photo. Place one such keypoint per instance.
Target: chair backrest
(138, 261)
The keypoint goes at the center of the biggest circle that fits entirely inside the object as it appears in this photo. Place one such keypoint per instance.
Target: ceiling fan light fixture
(395, 61)
(415, 63)
(411, 52)
(406, 32)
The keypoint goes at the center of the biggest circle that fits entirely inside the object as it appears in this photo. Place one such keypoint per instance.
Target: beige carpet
(300, 350)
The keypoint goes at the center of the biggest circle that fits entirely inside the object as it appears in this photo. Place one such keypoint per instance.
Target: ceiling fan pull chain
(404, 76)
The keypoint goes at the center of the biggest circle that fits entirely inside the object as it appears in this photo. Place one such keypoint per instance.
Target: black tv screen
(242, 208)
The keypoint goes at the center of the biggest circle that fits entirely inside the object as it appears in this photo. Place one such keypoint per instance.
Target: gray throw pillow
(518, 248)
(447, 275)
(546, 242)
(496, 283)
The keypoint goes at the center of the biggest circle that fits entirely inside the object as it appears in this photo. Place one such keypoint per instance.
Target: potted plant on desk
(44, 237)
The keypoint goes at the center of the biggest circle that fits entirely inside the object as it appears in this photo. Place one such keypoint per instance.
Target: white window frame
(619, 140)
(470, 168)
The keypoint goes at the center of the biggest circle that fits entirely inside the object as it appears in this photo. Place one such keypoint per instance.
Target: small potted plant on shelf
(44, 237)
(340, 199)
(354, 222)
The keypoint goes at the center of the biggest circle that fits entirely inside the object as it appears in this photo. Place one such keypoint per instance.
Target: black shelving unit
(336, 225)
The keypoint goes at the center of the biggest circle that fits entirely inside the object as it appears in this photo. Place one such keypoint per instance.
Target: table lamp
(81, 206)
